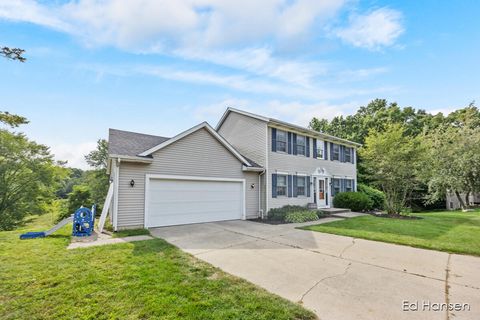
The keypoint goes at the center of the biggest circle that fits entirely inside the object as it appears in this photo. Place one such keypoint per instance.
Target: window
(301, 143)
(348, 154)
(320, 149)
(336, 186)
(336, 152)
(301, 183)
(281, 141)
(281, 185)
(348, 185)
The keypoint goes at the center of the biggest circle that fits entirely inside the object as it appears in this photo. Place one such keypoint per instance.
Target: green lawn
(449, 231)
(40, 279)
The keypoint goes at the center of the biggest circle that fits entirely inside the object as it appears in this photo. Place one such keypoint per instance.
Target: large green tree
(393, 160)
(97, 179)
(28, 176)
(377, 115)
(453, 162)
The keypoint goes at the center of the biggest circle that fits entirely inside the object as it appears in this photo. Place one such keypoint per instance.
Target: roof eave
(245, 113)
(136, 159)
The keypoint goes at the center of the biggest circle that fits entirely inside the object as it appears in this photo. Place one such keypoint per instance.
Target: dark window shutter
(289, 185)
(342, 153)
(294, 144)
(326, 191)
(354, 154)
(326, 150)
(331, 150)
(274, 185)
(314, 148)
(333, 187)
(295, 182)
(353, 185)
(308, 186)
(342, 185)
(274, 140)
(307, 145)
(289, 142)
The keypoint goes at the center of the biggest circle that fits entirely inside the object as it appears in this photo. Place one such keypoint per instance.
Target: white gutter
(131, 158)
(260, 192)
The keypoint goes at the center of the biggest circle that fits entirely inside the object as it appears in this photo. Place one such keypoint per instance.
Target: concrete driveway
(337, 277)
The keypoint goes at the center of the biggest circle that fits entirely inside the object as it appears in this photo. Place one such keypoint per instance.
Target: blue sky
(160, 67)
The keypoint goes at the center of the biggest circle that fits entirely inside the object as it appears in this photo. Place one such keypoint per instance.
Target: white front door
(321, 194)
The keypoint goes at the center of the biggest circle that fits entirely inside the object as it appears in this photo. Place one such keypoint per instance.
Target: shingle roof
(253, 163)
(126, 143)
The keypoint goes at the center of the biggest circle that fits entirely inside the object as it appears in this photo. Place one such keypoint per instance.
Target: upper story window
(336, 152)
(281, 185)
(301, 183)
(348, 154)
(301, 145)
(320, 154)
(348, 185)
(281, 141)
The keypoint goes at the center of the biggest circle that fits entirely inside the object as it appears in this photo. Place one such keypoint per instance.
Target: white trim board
(149, 177)
(192, 130)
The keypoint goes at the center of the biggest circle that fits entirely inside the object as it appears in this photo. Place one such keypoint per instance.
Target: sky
(163, 66)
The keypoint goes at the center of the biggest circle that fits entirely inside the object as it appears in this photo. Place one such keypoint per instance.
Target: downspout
(260, 193)
(116, 182)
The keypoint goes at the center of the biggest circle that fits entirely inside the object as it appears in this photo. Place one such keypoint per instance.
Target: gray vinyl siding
(247, 135)
(293, 164)
(453, 200)
(198, 154)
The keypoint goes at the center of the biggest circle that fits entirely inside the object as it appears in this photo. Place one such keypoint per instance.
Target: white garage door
(173, 201)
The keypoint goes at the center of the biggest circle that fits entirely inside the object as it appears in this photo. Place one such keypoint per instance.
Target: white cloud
(73, 153)
(174, 23)
(379, 28)
(260, 61)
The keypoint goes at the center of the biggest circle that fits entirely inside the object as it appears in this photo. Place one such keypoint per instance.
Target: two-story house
(240, 170)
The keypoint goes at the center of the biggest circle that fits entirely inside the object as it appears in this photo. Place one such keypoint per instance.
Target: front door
(321, 194)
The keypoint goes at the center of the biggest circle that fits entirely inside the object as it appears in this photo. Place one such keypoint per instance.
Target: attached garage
(175, 200)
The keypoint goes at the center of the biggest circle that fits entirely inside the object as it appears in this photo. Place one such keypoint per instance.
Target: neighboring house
(240, 170)
(454, 204)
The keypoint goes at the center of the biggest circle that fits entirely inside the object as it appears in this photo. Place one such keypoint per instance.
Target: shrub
(278, 214)
(301, 216)
(80, 196)
(377, 196)
(355, 201)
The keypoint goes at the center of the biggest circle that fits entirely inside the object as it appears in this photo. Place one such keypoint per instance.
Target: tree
(13, 54)
(98, 180)
(98, 158)
(12, 120)
(453, 161)
(27, 177)
(392, 160)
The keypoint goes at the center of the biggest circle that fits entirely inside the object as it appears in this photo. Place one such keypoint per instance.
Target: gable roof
(284, 125)
(126, 143)
(203, 125)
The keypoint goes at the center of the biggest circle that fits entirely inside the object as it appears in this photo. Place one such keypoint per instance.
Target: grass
(40, 279)
(130, 232)
(450, 231)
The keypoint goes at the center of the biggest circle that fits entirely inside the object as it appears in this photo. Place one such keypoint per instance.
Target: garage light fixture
(132, 183)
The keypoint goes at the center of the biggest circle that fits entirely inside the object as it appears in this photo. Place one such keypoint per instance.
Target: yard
(455, 232)
(40, 279)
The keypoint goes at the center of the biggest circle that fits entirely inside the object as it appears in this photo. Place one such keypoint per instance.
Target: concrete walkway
(102, 241)
(337, 277)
